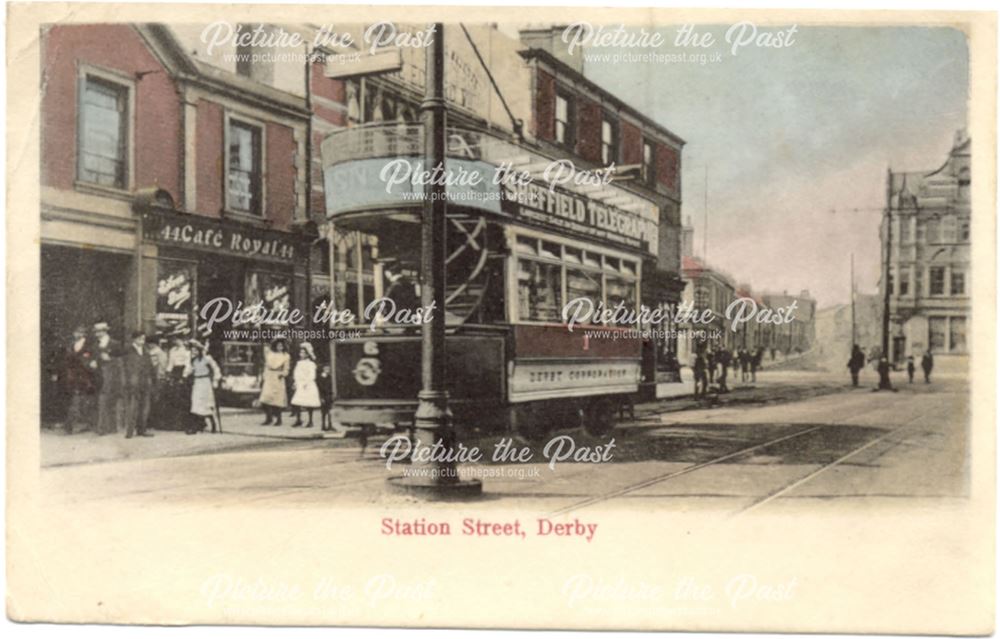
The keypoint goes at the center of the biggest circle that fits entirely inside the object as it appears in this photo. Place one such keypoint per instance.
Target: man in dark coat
(724, 359)
(883, 375)
(927, 363)
(700, 375)
(137, 384)
(107, 363)
(78, 382)
(855, 364)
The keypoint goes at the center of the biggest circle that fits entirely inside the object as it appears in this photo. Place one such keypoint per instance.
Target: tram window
(528, 246)
(539, 291)
(620, 291)
(580, 283)
(550, 250)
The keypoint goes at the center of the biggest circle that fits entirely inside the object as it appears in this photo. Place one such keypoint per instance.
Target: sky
(797, 141)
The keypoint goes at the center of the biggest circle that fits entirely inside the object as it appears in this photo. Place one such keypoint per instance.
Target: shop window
(905, 230)
(244, 158)
(956, 335)
(609, 142)
(936, 333)
(957, 283)
(104, 133)
(648, 164)
(565, 134)
(937, 280)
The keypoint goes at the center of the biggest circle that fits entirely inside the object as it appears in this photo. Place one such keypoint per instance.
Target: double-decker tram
(519, 248)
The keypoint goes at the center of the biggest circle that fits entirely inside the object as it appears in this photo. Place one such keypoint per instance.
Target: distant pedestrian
(273, 393)
(883, 375)
(306, 392)
(910, 368)
(855, 364)
(755, 363)
(725, 358)
(175, 391)
(711, 362)
(744, 365)
(138, 375)
(700, 375)
(927, 364)
(205, 374)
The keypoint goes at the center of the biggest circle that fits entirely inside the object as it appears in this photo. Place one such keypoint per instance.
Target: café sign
(239, 240)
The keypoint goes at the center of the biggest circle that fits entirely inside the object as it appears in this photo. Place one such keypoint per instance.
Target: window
(949, 229)
(904, 282)
(564, 120)
(648, 164)
(905, 230)
(933, 232)
(937, 280)
(244, 183)
(609, 142)
(957, 283)
(963, 230)
(104, 132)
(935, 333)
(889, 285)
(956, 335)
(550, 274)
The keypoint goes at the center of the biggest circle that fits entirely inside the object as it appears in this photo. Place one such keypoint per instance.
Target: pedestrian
(910, 368)
(108, 366)
(883, 375)
(700, 375)
(176, 391)
(137, 384)
(325, 383)
(927, 364)
(744, 365)
(78, 382)
(755, 363)
(855, 364)
(273, 393)
(306, 393)
(724, 359)
(711, 363)
(158, 355)
(205, 374)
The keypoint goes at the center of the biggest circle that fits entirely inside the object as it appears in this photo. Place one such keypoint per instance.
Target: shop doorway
(78, 287)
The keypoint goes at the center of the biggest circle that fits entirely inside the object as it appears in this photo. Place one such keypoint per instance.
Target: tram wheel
(600, 418)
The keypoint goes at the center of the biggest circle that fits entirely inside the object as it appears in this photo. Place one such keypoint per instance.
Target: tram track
(658, 479)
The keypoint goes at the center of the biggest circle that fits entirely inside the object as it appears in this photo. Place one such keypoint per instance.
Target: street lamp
(436, 477)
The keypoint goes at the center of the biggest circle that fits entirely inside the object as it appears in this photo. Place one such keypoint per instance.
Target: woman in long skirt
(273, 395)
(206, 375)
(306, 392)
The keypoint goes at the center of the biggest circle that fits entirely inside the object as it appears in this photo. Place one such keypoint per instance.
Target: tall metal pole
(435, 476)
(854, 326)
(887, 268)
(704, 238)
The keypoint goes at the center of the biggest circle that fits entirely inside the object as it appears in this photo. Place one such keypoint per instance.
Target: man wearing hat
(108, 366)
(137, 365)
(78, 381)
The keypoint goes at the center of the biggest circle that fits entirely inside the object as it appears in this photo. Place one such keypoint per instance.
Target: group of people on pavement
(310, 388)
(711, 365)
(857, 362)
(113, 387)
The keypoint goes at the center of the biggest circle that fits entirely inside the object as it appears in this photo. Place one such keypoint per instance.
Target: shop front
(195, 270)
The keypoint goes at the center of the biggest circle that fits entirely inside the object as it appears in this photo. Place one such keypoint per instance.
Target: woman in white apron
(273, 397)
(205, 374)
(306, 392)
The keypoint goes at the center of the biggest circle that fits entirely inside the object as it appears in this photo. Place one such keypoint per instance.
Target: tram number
(367, 370)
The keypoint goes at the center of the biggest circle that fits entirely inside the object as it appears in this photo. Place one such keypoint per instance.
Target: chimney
(550, 40)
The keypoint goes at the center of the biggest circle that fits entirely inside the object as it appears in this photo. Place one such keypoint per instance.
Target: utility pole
(854, 326)
(437, 477)
(704, 237)
(887, 267)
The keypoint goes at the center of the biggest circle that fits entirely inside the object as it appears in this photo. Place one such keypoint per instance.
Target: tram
(516, 254)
